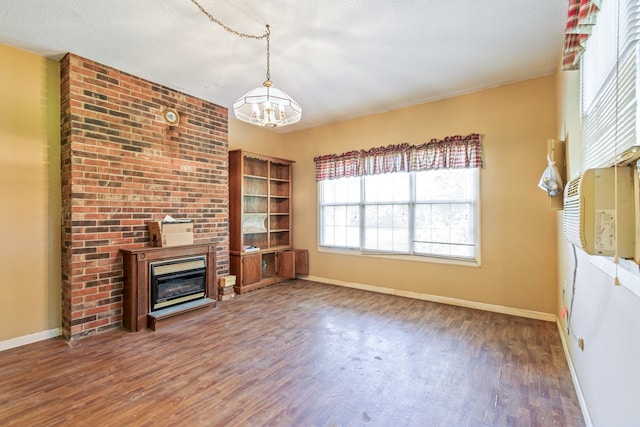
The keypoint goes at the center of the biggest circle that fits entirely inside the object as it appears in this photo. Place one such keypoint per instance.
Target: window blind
(609, 86)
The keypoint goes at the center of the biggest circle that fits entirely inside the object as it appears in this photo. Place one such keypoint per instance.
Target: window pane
(463, 251)
(445, 229)
(340, 216)
(340, 226)
(391, 187)
(422, 225)
(447, 184)
(353, 227)
(462, 224)
(387, 228)
(327, 236)
(343, 190)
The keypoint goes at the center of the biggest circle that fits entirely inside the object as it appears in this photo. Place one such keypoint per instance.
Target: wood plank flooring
(300, 354)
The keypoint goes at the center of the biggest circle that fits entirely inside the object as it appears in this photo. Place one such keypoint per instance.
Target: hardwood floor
(300, 354)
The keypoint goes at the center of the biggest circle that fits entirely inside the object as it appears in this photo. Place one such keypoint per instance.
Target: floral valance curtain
(453, 152)
(580, 21)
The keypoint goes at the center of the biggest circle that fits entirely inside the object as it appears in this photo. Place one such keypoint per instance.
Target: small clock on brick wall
(170, 116)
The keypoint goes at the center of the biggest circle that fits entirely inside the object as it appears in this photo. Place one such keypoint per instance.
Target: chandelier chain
(266, 34)
(264, 106)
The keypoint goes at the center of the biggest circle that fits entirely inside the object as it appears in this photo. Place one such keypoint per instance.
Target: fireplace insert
(177, 281)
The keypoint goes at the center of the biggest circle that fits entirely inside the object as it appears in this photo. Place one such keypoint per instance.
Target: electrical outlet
(581, 343)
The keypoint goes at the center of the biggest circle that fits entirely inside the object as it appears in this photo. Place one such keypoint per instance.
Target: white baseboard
(29, 339)
(530, 314)
(574, 377)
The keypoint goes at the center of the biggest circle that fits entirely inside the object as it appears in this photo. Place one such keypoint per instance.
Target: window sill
(627, 272)
(411, 258)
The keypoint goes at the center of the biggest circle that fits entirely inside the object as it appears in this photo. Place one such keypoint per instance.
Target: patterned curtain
(580, 21)
(453, 152)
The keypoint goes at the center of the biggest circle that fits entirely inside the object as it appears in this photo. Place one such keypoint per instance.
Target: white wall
(606, 316)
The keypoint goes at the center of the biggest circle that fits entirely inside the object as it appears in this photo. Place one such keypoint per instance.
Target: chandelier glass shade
(267, 106)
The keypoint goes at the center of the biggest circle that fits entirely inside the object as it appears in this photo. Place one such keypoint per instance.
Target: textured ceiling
(339, 59)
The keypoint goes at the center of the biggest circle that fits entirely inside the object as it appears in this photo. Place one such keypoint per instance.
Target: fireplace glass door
(177, 281)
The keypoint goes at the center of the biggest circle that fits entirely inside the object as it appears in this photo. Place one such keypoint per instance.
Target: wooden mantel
(136, 313)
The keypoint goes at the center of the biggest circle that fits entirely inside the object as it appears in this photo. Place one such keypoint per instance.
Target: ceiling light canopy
(266, 105)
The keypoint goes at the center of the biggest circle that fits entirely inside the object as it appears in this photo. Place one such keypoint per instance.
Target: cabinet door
(286, 264)
(302, 261)
(251, 269)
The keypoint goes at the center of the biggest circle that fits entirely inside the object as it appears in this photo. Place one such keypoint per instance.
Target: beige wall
(607, 317)
(518, 230)
(30, 194)
(253, 138)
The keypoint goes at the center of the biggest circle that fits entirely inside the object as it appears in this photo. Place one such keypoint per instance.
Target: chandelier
(266, 105)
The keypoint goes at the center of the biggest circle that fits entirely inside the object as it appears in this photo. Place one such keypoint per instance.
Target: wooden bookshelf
(260, 221)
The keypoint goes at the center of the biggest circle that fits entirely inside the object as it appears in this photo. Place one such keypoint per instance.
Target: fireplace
(163, 282)
(176, 281)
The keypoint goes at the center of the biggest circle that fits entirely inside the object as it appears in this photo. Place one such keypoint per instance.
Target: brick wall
(123, 166)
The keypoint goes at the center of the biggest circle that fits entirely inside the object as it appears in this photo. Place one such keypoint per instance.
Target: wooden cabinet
(260, 221)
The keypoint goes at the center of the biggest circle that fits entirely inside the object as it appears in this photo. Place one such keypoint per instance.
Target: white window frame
(411, 254)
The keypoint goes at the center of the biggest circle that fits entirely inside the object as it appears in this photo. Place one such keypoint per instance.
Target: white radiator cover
(591, 216)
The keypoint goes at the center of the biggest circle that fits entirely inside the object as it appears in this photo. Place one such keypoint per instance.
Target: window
(609, 83)
(403, 199)
(428, 213)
